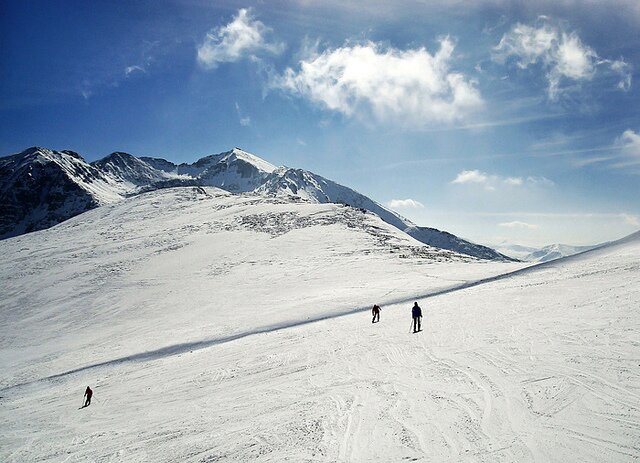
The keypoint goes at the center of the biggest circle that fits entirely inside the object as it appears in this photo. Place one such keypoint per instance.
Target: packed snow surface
(220, 327)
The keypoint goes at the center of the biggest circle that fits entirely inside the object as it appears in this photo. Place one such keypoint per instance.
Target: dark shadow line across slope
(177, 349)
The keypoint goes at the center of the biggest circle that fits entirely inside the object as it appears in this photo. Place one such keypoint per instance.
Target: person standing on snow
(416, 313)
(87, 393)
(376, 313)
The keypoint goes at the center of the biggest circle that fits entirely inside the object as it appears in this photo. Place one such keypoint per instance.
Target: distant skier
(416, 313)
(87, 393)
(376, 313)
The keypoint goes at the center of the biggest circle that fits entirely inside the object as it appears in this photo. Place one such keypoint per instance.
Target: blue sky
(495, 120)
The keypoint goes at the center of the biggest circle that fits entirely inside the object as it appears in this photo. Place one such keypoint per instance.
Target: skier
(376, 313)
(87, 393)
(416, 313)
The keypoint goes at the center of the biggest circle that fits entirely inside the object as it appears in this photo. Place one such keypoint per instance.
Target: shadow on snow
(177, 349)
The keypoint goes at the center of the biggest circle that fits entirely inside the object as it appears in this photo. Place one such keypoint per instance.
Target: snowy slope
(212, 248)
(236, 171)
(307, 185)
(217, 327)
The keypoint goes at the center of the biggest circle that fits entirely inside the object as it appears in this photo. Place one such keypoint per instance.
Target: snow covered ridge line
(544, 254)
(42, 187)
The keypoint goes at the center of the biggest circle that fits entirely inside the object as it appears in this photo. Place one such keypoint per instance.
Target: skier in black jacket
(375, 311)
(416, 313)
(87, 393)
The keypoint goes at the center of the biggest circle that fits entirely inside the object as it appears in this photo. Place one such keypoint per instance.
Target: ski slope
(218, 327)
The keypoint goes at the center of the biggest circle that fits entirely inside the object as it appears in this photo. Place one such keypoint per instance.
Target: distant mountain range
(543, 254)
(40, 187)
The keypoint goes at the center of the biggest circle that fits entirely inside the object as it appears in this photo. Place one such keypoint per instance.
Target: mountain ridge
(121, 174)
(545, 253)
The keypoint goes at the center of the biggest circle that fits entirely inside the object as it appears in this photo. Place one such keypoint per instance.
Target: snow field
(197, 366)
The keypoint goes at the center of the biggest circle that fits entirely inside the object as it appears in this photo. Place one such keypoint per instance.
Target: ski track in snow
(540, 364)
(177, 349)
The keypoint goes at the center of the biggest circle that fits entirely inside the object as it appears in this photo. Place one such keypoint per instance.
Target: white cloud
(630, 142)
(131, 69)
(494, 182)
(405, 204)
(627, 152)
(624, 70)
(518, 224)
(408, 87)
(624, 153)
(561, 54)
(471, 176)
(244, 37)
(631, 219)
(514, 181)
(245, 121)
(538, 181)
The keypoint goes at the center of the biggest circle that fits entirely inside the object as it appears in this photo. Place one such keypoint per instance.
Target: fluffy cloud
(409, 87)
(471, 176)
(405, 204)
(493, 182)
(562, 54)
(244, 37)
(517, 224)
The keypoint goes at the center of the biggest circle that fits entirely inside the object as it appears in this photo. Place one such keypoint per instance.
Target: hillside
(219, 327)
(68, 186)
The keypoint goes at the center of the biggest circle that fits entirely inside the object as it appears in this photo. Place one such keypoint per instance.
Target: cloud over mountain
(493, 182)
(405, 204)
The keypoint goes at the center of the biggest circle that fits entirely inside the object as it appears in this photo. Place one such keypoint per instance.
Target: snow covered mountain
(233, 327)
(307, 185)
(544, 254)
(557, 251)
(121, 174)
(132, 172)
(40, 188)
(235, 171)
(216, 252)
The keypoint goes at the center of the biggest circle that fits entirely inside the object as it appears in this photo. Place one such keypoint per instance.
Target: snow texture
(222, 327)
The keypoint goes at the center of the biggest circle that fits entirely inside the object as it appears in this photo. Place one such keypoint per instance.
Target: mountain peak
(118, 157)
(121, 174)
(259, 163)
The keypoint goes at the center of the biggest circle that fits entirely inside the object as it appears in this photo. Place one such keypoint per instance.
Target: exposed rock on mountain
(42, 187)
